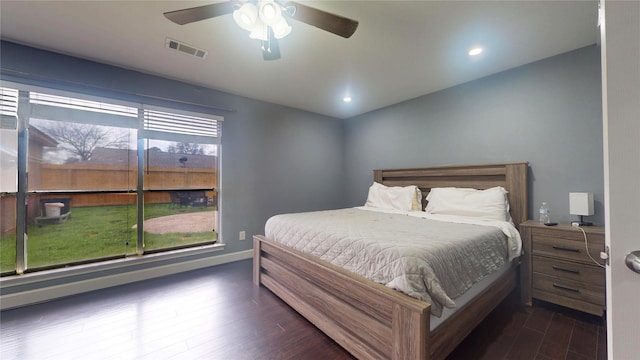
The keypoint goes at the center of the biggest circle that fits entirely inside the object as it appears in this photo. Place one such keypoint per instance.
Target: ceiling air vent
(185, 48)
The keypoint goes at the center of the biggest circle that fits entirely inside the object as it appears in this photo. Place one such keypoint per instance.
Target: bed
(373, 321)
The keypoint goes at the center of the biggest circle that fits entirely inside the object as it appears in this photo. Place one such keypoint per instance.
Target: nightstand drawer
(568, 270)
(570, 289)
(556, 266)
(566, 249)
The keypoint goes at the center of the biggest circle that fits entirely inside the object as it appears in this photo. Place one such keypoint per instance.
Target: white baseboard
(43, 294)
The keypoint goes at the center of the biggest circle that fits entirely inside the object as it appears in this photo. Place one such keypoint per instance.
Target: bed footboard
(382, 323)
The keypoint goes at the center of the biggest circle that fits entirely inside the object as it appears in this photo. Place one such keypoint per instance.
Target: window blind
(81, 104)
(181, 123)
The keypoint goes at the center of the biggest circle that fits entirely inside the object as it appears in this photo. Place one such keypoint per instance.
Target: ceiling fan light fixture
(270, 12)
(259, 31)
(290, 10)
(246, 16)
(265, 20)
(281, 29)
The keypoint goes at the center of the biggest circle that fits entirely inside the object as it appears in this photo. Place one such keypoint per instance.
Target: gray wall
(277, 159)
(548, 113)
(274, 159)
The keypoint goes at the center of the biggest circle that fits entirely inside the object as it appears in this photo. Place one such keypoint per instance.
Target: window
(106, 179)
(181, 166)
(9, 174)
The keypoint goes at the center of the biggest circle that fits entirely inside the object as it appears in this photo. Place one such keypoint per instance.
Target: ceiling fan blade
(186, 16)
(270, 48)
(332, 23)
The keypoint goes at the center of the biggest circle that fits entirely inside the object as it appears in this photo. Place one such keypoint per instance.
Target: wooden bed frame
(368, 319)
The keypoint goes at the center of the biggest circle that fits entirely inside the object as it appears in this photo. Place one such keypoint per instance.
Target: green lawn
(95, 232)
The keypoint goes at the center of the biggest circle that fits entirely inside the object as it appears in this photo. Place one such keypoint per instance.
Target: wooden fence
(7, 214)
(75, 177)
(100, 177)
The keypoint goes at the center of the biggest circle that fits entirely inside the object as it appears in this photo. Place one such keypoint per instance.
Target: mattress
(431, 260)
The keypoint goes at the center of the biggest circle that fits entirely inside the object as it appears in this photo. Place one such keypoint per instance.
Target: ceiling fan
(266, 20)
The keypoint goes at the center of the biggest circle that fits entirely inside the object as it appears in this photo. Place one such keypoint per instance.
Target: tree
(82, 139)
(186, 148)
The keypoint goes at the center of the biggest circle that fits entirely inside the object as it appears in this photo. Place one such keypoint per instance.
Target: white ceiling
(401, 49)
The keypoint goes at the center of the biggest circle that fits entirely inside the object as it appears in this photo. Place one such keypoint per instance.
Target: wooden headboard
(512, 177)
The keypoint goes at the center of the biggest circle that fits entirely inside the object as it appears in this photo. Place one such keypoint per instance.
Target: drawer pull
(563, 287)
(557, 247)
(558, 268)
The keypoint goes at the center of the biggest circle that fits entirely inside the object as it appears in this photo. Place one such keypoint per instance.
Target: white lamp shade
(259, 31)
(246, 16)
(581, 203)
(270, 12)
(281, 29)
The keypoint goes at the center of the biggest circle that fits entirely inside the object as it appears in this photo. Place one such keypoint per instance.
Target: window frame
(26, 110)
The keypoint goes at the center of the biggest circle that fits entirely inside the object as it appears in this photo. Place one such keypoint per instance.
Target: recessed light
(347, 99)
(475, 51)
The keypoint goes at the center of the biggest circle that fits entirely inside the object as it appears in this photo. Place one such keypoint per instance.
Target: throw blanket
(430, 260)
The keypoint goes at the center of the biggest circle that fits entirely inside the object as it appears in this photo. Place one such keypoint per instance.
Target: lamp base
(581, 222)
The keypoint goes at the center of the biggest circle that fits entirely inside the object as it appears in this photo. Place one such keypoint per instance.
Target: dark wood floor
(217, 313)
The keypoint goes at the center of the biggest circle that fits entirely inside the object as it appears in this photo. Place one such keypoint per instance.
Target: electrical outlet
(242, 235)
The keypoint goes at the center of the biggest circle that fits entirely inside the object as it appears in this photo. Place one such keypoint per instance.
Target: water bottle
(545, 213)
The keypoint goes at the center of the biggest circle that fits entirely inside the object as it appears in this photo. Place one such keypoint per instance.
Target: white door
(620, 41)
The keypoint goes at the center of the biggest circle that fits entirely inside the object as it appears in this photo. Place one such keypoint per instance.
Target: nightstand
(556, 268)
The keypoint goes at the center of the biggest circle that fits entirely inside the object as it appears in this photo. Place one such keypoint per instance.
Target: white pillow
(490, 204)
(404, 198)
(417, 200)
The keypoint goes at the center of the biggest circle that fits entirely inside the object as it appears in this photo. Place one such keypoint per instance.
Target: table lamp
(581, 204)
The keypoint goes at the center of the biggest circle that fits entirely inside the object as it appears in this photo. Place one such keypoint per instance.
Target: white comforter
(431, 260)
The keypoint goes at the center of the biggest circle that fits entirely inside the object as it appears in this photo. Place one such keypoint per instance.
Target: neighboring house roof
(36, 135)
(153, 158)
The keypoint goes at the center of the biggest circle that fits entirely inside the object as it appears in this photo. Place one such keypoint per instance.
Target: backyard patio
(180, 223)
